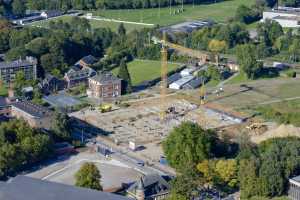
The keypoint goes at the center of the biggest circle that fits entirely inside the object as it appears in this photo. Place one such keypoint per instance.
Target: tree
(246, 56)
(125, 76)
(16, 53)
(37, 46)
(20, 82)
(88, 176)
(61, 126)
(18, 8)
(187, 183)
(188, 144)
(227, 172)
(294, 50)
(217, 47)
(121, 30)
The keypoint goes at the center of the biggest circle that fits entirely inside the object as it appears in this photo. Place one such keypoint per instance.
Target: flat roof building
(26, 188)
(177, 85)
(35, 115)
(9, 70)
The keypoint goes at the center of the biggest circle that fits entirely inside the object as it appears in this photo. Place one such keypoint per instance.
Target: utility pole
(170, 4)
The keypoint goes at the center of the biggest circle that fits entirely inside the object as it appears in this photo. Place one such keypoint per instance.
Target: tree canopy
(188, 144)
(88, 176)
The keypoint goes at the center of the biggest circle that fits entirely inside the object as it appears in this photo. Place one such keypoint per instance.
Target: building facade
(294, 189)
(36, 116)
(150, 187)
(9, 70)
(104, 86)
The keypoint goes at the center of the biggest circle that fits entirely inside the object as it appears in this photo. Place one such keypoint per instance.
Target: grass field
(287, 112)
(94, 24)
(3, 91)
(219, 12)
(145, 70)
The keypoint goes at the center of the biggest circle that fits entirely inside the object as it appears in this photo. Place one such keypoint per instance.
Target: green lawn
(145, 70)
(3, 91)
(94, 24)
(219, 11)
(287, 112)
(240, 78)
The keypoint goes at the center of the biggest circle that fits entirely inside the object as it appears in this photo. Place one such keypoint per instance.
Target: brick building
(8, 70)
(36, 116)
(104, 86)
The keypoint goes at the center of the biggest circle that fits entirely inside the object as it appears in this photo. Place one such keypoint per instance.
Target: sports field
(219, 11)
(145, 70)
(94, 24)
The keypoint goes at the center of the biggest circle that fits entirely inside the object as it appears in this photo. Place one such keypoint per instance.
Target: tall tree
(246, 55)
(19, 8)
(121, 30)
(61, 126)
(217, 46)
(88, 176)
(188, 144)
(125, 76)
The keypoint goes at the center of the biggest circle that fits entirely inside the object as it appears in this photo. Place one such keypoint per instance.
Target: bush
(291, 74)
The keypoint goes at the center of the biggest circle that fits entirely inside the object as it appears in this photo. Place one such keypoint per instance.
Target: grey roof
(32, 109)
(85, 72)
(297, 178)
(173, 78)
(194, 83)
(53, 12)
(105, 78)
(3, 102)
(29, 61)
(26, 188)
(89, 59)
(153, 184)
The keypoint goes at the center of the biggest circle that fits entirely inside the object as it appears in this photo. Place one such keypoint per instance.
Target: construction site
(142, 125)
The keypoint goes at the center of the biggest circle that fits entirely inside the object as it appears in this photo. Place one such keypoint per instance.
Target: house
(4, 107)
(51, 84)
(35, 115)
(195, 83)
(28, 66)
(294, 188)
(26, 20)
(173, 78)
(104, 86)
(51, 13)
(87, 61)
(26, 188)
(286, 17)
(188, 71)
(177, 85)
(78, 75)
(150, 187)
(233, 66)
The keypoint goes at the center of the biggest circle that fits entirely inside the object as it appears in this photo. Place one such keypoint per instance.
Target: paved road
(140, 165)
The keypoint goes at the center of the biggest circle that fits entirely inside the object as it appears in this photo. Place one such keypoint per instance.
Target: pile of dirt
(279, 131)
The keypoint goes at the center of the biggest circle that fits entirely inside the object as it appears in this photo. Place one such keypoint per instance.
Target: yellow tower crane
(202, 56)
